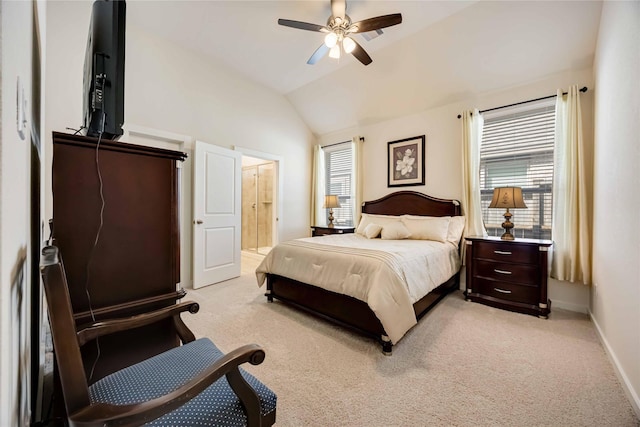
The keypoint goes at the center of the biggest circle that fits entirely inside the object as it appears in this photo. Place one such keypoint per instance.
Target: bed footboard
(330, 305)
(344, 310)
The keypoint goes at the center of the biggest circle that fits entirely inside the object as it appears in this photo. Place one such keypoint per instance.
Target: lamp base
(507, 225)
(330, 224)
(507, 236)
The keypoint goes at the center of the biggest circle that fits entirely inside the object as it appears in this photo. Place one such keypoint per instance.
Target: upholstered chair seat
(216, 406)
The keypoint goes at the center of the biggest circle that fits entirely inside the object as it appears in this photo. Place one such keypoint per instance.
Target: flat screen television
(103, 94)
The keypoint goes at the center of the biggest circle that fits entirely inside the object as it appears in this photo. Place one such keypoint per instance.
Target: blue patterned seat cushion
(216, 406)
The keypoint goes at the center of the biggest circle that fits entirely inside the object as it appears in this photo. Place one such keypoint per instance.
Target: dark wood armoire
(116, 222)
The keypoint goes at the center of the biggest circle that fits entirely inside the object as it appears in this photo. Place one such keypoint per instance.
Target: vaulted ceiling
(443, 52)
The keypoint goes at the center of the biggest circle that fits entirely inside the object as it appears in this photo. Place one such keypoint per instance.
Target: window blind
(517, 150)
(338, 163)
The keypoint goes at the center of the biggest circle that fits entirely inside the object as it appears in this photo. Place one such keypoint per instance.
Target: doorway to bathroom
(258, 210)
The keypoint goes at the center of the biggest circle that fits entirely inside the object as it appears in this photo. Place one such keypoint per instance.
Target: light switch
(21, 110)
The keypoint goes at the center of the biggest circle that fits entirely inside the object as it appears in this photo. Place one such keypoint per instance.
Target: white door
(216, 214)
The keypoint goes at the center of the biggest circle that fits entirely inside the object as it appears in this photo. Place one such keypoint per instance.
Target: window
(517, 150)
(339, 165)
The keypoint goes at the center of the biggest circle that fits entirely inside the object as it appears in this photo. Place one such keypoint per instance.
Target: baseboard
(622, 376)
(564, 305)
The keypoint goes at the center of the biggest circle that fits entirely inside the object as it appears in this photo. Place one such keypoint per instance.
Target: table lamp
(507, 197)
(331, 201)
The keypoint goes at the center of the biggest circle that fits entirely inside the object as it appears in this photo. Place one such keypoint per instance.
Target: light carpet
(464, 364)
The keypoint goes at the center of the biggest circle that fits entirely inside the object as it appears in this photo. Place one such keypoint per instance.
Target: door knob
(198, 221)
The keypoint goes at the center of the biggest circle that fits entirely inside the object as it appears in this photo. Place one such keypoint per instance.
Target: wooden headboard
(412, 203)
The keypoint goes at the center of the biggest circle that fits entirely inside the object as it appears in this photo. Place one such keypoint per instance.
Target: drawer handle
(501, 271)
(502, 291)
(502, 252)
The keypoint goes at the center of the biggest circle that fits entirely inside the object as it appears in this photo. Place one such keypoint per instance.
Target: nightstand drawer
(511, 252)
(323, 231)
(507, 291)
(516, 273)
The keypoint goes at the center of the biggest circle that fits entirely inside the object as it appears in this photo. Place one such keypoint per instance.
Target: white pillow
(395, 231)
(456, 227)
(427, 227)
(372, 231)
(367, 219)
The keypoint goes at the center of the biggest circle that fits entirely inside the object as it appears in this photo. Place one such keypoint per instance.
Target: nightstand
(323, 231)
(508, 274)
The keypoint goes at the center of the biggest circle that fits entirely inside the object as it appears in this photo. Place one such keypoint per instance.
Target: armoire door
(116, 222)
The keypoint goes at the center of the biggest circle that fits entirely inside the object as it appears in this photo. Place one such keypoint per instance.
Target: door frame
(279, 165)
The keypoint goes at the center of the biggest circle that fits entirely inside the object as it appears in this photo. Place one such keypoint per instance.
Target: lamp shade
(331, 201)
(330, 40)
(348, 44)
(335, 52)
(507, 197)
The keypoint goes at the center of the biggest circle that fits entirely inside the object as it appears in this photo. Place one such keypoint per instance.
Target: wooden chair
(192, 384)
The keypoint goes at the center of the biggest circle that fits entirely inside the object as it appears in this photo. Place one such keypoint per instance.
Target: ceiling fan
(339, 29)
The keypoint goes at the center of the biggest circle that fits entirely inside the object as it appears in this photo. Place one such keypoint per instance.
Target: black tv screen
(103, 98)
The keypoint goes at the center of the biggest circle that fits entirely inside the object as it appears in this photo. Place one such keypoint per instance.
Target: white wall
(615, 306)
(181, 92)
(443, 176)
(16, 47)
(172, 89)
(14, 208)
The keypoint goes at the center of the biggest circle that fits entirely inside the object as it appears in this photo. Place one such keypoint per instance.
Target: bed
(373, 295)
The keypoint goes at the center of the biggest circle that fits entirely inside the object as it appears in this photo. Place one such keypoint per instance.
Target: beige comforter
(389, 275)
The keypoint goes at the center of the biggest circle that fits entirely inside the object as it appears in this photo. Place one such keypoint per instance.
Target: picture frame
(405, 162)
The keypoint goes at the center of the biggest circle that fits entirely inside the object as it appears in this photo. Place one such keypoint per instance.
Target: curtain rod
(584, 89)
(338, 143)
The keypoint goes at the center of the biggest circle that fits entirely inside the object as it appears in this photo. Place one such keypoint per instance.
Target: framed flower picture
(406, 162)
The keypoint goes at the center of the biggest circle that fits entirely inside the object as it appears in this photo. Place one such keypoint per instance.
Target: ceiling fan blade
(376, 23)
(318, 54)
(361, 55)
(338, 8)
(370, 35)
(303, 25)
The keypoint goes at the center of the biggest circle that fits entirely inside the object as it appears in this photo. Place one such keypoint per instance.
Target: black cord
(76, 131)
(95, 242)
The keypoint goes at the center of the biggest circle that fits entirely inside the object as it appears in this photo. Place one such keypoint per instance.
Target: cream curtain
(318, 216)
(471, 137)
(570, 228)
(357, 177)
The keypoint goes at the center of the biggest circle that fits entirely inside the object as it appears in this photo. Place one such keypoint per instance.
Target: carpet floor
(464, 364)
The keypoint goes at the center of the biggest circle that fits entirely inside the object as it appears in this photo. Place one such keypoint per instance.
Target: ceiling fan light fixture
(348, 44)
(339, 29)
(331, 39)
(335, 52)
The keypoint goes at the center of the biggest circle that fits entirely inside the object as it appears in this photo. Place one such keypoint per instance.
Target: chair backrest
(202, 371)
(63, 331)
